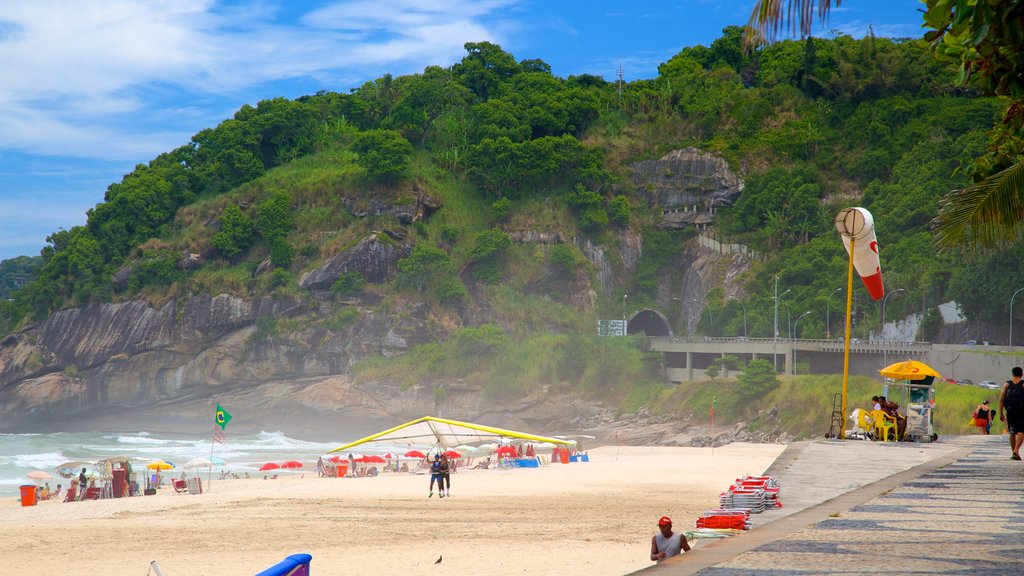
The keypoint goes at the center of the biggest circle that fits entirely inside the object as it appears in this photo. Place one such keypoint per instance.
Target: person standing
(983, 418)
(435, 476)
(82, 484)
(446, 476)
(666, 543)
(1011, 410)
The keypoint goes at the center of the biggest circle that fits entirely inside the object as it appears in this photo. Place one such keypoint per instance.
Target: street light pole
(884, 298)
(775, 335)
(793, 348)
(744, 315)
(885, 349)
(1011, 313)
(624, 296)
(789, 318)
(828, 330)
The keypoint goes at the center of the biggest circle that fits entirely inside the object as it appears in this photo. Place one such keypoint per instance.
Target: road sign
(611, 327)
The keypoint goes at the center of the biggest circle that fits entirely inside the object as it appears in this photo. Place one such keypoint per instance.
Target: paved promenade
(952, 507)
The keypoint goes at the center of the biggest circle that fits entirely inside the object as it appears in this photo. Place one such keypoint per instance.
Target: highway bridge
(687, 358)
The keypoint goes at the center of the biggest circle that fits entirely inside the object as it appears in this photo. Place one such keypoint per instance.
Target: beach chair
(883, 425)
(180, 486)
(862, 424)
(93, 493)
(72, 493)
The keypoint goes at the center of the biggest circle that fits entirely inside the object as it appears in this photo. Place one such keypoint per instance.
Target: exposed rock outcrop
(688, 185)
(375, 257)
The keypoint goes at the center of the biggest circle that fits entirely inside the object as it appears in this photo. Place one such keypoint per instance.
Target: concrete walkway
(952, 507)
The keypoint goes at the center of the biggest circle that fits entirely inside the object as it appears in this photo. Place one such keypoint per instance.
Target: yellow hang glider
(446, 434)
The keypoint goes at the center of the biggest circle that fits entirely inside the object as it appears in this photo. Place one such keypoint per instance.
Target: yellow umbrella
(159, 465)
(909, 370)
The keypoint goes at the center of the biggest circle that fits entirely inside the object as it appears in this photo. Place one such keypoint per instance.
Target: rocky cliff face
(688, 185)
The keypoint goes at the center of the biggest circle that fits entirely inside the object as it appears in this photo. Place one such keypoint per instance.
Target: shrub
(281, 253)
(349, 284)
(501, 208)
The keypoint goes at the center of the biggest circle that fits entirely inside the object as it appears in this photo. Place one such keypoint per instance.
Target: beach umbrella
(217, 461)
(40, 475)
(453, 454)
(488, 447)
(198, 463)
(337, 459)
(389, 456)
(508, 451)
(269, 466)
(159, 465)
(415, 454)
(71, 469)
(292, 465)
(909, 370)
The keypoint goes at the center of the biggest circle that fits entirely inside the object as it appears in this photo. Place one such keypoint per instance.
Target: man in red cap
(666, 543)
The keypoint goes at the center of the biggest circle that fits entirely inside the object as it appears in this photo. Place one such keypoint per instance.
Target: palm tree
(984, 38)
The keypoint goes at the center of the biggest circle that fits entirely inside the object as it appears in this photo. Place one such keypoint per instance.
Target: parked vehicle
(989, 384)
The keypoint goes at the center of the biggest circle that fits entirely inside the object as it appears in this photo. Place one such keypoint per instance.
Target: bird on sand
(438, 560)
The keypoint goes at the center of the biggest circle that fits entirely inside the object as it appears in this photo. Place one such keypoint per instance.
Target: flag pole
(209, 473)
(846, 347)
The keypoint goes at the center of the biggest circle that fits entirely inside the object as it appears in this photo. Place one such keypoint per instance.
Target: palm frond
(986, 214)
(768, 16)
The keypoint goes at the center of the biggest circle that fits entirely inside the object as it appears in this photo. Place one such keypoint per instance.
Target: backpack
(1014, 398)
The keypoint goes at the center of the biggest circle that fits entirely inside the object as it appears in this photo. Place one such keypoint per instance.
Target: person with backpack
(1011, 410)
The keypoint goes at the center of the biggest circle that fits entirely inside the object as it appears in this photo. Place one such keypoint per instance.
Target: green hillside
(505, 147)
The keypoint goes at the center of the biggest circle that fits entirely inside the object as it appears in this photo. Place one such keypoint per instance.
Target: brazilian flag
(221, 417)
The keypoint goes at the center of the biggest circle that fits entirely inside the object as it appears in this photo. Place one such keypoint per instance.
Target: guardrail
(860, 344)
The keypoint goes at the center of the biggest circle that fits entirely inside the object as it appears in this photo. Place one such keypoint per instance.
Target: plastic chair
(180, 486)
(883, 425)
(862, 423)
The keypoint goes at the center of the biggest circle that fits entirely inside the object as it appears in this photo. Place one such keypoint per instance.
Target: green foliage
(384, 154)
(278, 279)
(273, 217)
(482, 341)
(451, 291)
(489, 244)
(500, 208)
(563, 259)
(17, 272)
(758, 376)
(619, 211)
(266, 328)
(281, 253)
(712, 371)
(236, 232)
(422, 264)
(349, 284)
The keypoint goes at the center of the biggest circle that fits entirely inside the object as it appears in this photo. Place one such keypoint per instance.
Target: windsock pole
(846, 345)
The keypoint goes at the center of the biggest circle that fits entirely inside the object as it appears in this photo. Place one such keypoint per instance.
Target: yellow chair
(883, 424)
(861, 423)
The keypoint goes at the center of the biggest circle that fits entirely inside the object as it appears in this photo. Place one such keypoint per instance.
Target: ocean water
(23, 453)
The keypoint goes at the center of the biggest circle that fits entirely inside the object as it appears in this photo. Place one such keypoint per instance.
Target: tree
(422, 263)
(985, 39)
(758, 376)
(236, 232)
(384, 154)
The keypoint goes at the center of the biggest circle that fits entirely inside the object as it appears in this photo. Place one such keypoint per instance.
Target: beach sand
(593, 518)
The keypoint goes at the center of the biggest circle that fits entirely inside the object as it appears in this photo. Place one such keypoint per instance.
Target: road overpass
(687, 358)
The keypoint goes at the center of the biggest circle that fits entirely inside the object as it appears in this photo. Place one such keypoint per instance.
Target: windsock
(858, 224)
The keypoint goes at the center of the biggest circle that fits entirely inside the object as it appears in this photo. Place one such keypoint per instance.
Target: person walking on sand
(435, 476)
(1011, 410)
(666, 543)
(983, 418)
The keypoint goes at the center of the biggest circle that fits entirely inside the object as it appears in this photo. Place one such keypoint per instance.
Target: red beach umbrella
(374, 460)
(389, 456)
(508, 451)
(415, 454)
(269, 466)
(292, 465)
(453, 454)
(337, 459)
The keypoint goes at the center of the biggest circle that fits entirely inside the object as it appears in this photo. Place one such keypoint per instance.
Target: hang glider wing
(429, 431)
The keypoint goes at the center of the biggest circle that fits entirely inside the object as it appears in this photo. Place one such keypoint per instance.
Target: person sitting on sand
(666, 543)
(57, 492)
(483, 464)
(404, 468)
(45, 495)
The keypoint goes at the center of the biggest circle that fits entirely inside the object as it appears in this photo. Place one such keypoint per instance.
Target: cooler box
(564, 454)
(28, 495)
(342, 470)
(585, 458)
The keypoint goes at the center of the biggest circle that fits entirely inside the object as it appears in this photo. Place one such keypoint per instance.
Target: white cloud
(77, 76)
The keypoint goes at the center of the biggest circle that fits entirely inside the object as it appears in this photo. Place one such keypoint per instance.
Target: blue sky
(90, 88)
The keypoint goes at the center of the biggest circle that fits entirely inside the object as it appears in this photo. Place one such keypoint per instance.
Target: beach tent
(445, 434)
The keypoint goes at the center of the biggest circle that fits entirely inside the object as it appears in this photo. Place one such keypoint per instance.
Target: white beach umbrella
(198, 463)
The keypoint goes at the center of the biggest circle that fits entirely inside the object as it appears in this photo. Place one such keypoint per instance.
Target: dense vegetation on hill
(506, 146)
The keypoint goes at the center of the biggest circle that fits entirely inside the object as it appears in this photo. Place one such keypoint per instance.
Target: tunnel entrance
(650, 322)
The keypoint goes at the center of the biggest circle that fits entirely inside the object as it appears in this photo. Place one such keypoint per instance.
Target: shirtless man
(666, 543)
